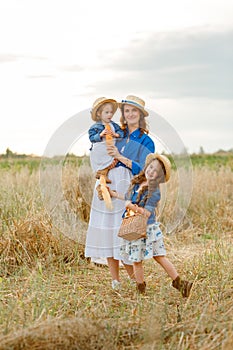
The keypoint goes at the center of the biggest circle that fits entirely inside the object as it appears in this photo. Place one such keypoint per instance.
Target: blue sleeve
(94, 135)
(146, 148)
(152, 201)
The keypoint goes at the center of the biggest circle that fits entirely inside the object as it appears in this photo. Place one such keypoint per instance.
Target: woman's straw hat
(166, 162)
(136, 102)
(99, 102)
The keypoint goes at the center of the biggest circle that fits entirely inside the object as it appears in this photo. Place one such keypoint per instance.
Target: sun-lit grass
(51, 297)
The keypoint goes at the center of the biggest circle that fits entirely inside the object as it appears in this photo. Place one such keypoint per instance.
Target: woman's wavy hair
(142, 123)
(152, 184)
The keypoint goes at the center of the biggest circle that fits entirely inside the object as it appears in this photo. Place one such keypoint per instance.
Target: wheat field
(51, 297)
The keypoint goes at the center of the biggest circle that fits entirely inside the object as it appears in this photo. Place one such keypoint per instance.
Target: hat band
(132, 103)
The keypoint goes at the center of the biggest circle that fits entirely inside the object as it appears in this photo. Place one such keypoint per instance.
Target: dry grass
(74, 333)
(52, 298)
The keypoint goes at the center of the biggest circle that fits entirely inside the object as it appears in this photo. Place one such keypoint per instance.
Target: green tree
(9, 153)
(201, 150)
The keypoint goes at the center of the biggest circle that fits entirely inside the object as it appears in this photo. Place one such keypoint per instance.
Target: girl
(143, 196)
(104, 128)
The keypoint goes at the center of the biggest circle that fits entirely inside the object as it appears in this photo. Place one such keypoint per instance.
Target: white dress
(102, 240)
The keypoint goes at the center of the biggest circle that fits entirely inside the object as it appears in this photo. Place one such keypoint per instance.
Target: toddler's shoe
(116, 285)
(99, 192)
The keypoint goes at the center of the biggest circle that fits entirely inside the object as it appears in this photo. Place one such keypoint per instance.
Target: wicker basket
(133, 226)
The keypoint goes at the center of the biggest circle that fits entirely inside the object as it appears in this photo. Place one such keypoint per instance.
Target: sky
(58, 56)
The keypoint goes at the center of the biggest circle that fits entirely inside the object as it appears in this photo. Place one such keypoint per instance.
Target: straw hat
(99, 102)
(166, 162)
(136, 102)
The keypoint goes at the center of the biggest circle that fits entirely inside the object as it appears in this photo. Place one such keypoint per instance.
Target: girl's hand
(140, 210)
(129, 205)
(109, 132)
(103, 133)
(115, 194)
(112, 193)
(147, 213)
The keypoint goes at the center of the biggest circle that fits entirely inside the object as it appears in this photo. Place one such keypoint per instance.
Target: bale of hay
(70, 334)
(32, 238)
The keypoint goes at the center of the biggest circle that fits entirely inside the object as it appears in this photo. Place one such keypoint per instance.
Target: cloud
(6, 57)
(72, 68)
(45, 76)
(191, 63)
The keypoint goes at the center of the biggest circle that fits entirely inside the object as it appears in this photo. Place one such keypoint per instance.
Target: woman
(130, 151)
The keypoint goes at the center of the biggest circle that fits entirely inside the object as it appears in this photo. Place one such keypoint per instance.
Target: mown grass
(51, 297)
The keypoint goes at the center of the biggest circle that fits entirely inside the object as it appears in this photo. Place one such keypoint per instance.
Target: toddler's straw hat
(166, 162)
(136, 102)
(99, 102)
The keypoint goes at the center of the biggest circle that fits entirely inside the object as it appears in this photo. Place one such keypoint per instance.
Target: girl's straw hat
(136, 102)
(99, 102)
(166, 162)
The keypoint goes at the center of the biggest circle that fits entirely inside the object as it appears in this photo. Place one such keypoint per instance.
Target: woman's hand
(113, 151)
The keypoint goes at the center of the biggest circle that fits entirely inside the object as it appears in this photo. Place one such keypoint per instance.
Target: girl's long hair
(142, 123)
(152, 184)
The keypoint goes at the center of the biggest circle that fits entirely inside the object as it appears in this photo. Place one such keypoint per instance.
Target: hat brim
(108, 100)
(145, 113)
(166, 162)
